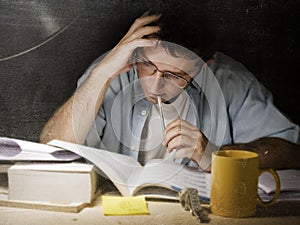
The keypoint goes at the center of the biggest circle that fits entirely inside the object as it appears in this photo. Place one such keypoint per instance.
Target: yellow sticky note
(115, 205)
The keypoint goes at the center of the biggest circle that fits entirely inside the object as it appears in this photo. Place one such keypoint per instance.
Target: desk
(160, 213)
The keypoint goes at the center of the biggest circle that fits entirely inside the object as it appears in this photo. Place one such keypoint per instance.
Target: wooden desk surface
(160, 213)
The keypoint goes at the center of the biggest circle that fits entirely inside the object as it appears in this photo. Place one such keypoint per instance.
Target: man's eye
(172, 76)
(146, 64)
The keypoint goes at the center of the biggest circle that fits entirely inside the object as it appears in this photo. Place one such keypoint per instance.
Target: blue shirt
(228, 105)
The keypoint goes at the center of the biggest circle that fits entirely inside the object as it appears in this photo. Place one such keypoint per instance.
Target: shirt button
(144, 112)
(132, 148)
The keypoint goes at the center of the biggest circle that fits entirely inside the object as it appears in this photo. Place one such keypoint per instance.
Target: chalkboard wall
(46, 46)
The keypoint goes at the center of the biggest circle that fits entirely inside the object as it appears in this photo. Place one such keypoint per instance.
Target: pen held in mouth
(161, 113)
(171, 154)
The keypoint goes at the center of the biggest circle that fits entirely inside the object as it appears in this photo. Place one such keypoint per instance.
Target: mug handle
(277, 192)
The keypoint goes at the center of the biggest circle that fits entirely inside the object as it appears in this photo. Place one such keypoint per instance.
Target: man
(206, 105)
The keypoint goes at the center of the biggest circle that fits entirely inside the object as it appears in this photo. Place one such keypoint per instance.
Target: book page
(283, 196)
(19, 150)
(116, 167)
(160, 172)
(289, 181)
(73, 167)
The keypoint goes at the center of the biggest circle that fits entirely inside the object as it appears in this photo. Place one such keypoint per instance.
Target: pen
(161, 113)
(172, 154)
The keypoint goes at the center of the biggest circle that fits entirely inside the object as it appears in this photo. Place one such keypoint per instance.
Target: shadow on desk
(280, 209)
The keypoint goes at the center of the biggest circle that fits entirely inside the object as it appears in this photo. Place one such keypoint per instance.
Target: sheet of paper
(21, 150)
(116, 205)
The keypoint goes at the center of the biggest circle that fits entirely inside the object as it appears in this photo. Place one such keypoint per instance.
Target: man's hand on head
(119, 59)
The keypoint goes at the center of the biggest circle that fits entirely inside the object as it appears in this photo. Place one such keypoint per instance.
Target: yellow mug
(234, 180)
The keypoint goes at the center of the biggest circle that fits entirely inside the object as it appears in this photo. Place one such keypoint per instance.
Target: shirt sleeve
(93, 138)
(254, 115)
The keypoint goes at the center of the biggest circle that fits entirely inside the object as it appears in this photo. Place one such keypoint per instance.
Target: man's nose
(158, 81)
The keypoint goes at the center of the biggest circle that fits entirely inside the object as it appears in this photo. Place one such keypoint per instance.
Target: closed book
(52, 182)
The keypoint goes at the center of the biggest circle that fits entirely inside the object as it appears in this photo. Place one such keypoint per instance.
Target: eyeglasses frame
(155, 69)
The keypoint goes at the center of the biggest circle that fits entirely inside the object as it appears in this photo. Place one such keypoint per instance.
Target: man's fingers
(141, 43)
(140, 33)
(179, 142)
(177, 131)
(140, 22)
(180, 123)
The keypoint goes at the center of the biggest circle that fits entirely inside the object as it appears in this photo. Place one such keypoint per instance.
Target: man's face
(162, 74)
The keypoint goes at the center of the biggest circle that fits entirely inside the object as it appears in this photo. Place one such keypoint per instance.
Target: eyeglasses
(148, 68)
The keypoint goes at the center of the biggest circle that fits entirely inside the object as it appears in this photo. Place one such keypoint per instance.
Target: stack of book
(39, 176)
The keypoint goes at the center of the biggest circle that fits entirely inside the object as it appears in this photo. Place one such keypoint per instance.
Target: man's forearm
(273, 153)
(73, 120)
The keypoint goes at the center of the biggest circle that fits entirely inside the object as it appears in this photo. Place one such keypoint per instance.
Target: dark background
(46, 46)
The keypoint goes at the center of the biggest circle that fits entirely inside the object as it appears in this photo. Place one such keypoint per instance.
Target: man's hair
(198, 38)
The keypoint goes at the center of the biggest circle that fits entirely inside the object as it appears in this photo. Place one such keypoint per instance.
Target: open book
(289, 185)
(159, 178)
